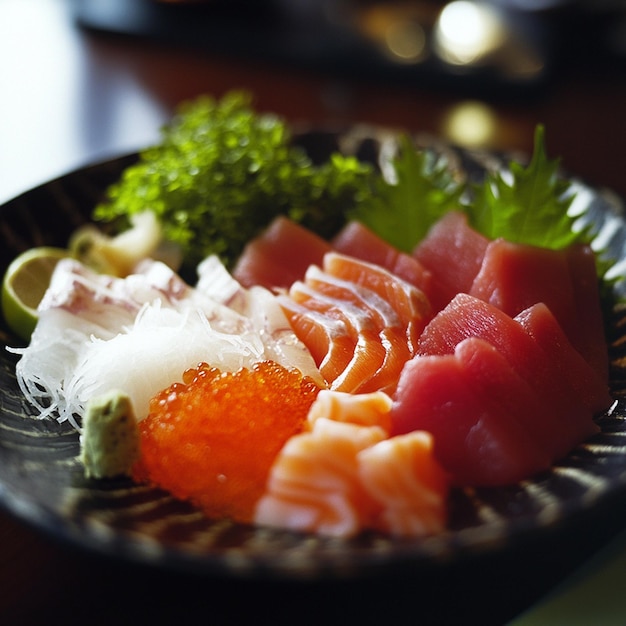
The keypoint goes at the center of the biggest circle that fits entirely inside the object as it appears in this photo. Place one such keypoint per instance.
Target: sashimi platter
(257, 348)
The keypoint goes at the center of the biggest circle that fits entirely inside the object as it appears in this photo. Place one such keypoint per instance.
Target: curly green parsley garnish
(222, 172)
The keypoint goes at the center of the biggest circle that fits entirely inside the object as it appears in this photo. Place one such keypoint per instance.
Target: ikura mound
(213, 438)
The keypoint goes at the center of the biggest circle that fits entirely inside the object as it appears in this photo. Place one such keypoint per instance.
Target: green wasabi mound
(110, 437)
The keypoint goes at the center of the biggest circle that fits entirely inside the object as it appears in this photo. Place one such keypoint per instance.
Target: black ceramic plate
(42, 482)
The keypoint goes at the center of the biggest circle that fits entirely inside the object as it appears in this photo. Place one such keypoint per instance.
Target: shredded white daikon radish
(155, 352)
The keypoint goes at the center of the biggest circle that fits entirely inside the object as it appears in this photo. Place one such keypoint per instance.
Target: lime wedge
(24, 284)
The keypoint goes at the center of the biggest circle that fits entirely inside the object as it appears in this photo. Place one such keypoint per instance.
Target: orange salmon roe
(213, 438)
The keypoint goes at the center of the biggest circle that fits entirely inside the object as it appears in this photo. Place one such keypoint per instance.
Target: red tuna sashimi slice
(539, 322)
(492, 376)
(356, 240)
(473, 439)
(280, 255)
(453, 252)
(589, 332)
(513, 277)
(467, 316)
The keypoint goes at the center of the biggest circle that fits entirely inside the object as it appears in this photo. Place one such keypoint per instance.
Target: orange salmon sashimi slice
(329, 339)
(368, 351)
(409, 302)
(343, 474)
(368, 313)
(359, 302)
(379, 312)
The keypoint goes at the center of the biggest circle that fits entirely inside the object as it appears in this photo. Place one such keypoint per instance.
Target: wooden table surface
(70, 97)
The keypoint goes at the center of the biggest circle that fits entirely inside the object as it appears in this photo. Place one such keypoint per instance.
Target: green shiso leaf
(405, 208)
(526, 205)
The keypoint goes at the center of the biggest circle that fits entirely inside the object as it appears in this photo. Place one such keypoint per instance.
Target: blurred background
(477, 47)
(86, 79)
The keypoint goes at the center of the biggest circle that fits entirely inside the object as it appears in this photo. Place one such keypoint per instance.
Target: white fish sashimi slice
(97, 301)
(138, 334)
(216, 282)
(51, 358)
(109, 303)
(263, 310)
(81, 305)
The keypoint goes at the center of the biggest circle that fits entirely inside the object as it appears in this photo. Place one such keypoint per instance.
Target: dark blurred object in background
(490, 47)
